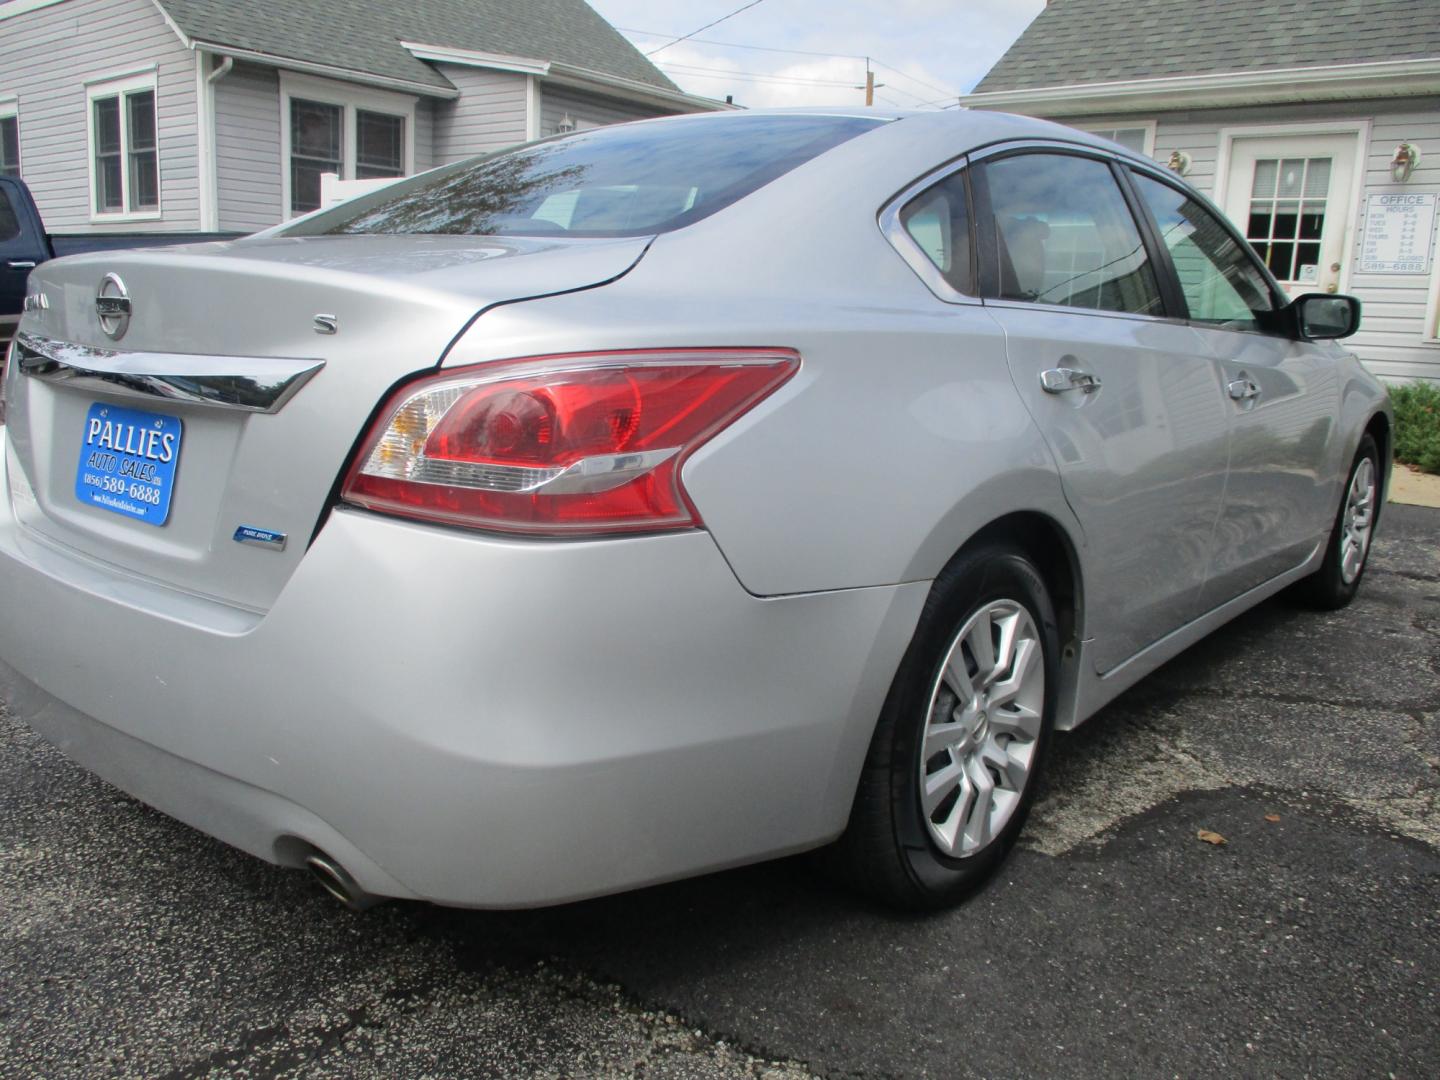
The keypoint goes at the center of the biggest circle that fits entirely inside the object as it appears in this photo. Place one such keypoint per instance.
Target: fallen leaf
(1210, 837)
(1272, 817)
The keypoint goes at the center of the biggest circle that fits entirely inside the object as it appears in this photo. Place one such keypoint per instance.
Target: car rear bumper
(464, 719)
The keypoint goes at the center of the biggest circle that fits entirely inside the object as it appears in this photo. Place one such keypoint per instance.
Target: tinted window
(630, 180)
(1221, 282)
(1065, 235)
(938, 220)
(9, 219)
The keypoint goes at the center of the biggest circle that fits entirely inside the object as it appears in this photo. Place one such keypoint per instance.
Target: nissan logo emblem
(112, 305)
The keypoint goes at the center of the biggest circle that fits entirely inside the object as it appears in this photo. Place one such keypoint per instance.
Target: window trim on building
(1104, 127)
(10, 110)
(351, 98)
(122, 87)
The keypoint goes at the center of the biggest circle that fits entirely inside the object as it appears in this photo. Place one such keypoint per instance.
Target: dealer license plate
(127, 462)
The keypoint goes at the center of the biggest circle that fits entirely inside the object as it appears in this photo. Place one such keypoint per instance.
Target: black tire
(887, 850)
(1327, 589)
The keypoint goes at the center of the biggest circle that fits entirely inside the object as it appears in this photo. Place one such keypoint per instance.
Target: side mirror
(1325, 316)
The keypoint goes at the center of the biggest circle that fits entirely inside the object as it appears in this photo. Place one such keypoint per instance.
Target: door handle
(20, 264)
(1060, 380)
(1243, 389)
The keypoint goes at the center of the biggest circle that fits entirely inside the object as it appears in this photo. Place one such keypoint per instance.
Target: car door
(1127, 396)
(1282, 395)
(21, 249)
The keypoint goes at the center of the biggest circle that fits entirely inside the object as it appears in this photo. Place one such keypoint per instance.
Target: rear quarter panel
(901, 435)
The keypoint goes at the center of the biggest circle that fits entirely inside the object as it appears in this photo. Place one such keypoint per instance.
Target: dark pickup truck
(24, 244)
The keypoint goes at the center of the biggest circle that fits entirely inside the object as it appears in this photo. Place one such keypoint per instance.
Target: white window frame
(10, 106)
(106, 87)
(1430, 332)
(1100, 127)
(349, 97)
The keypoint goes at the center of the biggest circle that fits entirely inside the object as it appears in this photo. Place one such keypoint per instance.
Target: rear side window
(938, 220)
(1064, 235)
(628, 180)
(1221, 283)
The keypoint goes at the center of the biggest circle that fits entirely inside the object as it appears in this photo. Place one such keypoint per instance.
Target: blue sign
(127, 462)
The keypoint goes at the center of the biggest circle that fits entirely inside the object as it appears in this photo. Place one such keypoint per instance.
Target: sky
(924, 52)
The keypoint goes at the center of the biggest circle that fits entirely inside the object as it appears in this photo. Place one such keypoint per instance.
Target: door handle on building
(1059, 380)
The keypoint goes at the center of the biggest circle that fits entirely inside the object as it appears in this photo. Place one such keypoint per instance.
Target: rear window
(630, 180)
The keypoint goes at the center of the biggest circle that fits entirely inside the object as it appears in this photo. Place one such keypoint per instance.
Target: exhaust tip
(336, 880)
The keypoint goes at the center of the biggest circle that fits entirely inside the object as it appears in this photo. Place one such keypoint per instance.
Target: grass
(1417, 424)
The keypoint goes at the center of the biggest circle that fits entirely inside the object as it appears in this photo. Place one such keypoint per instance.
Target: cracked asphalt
(1114, 943)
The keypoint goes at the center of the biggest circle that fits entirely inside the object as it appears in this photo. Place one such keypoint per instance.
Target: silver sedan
(663, 498)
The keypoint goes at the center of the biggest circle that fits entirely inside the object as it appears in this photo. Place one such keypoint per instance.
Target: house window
(1287, 215)
(1137, 137)
(124, 148)
(316, 141)
(379, 145)
(350, 131)
(9, 141)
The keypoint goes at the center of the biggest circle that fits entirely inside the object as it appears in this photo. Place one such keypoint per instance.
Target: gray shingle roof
(1091, 41)
(365, 35)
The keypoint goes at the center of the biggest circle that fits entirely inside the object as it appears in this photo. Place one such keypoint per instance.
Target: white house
(1314, 125)
(202, 115)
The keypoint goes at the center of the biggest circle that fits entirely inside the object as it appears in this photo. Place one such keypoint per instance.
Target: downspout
(209, 169)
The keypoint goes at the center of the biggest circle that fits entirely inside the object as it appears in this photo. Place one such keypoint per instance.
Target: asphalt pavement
(1116, 942)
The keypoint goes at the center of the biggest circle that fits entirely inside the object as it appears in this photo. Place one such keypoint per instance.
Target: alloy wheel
(982, 729)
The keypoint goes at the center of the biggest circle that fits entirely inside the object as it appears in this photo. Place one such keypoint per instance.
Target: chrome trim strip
(261, 384)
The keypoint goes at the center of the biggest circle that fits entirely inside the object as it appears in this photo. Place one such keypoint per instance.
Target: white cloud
(940, 47)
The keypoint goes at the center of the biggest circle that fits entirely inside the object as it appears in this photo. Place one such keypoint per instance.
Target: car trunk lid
(261, 360)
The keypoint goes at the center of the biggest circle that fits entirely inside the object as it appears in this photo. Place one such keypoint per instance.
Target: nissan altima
(661, 498)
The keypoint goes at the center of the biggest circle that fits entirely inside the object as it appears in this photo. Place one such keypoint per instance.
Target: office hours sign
(1399, 233)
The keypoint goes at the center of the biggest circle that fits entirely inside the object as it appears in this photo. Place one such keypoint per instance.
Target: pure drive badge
(249, 534)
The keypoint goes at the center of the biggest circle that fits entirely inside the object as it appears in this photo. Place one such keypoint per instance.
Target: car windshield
(628, 180)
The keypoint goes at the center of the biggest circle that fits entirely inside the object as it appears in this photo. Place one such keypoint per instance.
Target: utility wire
(737, 45)
(707, 26)
(746, 76)
(794, 52)
(912, 78)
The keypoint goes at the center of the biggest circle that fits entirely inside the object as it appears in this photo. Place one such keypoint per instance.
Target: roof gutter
(633, 89)
(330, 71)
(1386, 78)
(566, 74)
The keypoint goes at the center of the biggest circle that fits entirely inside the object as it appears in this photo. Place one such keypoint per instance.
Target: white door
(1291, 197)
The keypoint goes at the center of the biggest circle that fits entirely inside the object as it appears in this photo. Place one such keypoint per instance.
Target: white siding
(45, 58)
(247, 148)
(588, 110)
(488, 115)
(1394, 341)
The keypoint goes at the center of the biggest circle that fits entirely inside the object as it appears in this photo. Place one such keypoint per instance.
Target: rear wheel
(951, 770)
(1338, 580)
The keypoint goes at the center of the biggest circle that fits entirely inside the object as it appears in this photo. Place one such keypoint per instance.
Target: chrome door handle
(1060, 380)
(21, 264)
(1243, 389)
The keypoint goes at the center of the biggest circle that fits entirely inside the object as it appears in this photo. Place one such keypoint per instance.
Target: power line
(912, 78)
(737, 45)
(751, 76)
(796, 52)
(707, 26)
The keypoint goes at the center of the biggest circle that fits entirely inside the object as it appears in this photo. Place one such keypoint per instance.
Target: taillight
(586, 443)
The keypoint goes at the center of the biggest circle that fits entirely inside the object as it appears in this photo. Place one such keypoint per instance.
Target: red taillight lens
(587, 443)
